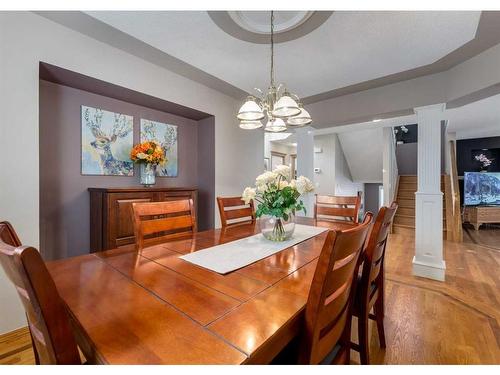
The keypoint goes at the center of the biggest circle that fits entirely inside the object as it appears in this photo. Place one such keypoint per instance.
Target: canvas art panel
(166, 136)
(107, 138)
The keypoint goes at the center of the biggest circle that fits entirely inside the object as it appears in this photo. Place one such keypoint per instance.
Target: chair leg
(346, 341)
(379, 308)
(363, 338)
(379, 318)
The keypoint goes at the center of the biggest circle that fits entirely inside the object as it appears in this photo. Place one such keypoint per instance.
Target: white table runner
(240, 253)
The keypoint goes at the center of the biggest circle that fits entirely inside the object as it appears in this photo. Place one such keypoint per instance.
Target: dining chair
(335, 207)
(48, 320)
(370, 283)
(233, 210)
(163, 221)
(327, 334)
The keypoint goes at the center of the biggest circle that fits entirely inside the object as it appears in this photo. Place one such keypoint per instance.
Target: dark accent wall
(64, 199)
(371, 197)
(465, 161)
(410, 137)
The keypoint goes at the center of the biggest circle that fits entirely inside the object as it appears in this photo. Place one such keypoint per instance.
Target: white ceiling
(474, 120)
(349, 48)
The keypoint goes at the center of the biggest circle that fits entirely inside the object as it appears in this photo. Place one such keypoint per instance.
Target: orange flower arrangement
(149, 152)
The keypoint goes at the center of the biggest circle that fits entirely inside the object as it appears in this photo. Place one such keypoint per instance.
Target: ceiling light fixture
(281, 107)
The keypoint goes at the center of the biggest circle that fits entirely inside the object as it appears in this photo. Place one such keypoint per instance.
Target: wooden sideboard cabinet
(111, 223)
(477, 215)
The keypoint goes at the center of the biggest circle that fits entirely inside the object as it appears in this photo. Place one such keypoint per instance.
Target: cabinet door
(120, 220)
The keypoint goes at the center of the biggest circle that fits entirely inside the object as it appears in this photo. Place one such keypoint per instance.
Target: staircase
(404, 221)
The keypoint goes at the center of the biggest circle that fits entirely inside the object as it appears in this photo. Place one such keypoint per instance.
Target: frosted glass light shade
(285, 107)
(250, 125)
(250, 111)
(275, 125)
(303, 118)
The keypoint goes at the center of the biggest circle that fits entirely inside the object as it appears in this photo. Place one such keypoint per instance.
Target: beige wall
(25, 40)
(325, 160)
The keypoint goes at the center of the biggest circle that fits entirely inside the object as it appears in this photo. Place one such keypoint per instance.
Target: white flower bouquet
(277, 197)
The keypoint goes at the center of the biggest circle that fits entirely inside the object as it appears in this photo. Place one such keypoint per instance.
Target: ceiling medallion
(280, 107)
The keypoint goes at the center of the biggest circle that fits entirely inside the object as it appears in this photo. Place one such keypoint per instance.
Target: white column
(387, 167)
(305, 162)
(428, 260)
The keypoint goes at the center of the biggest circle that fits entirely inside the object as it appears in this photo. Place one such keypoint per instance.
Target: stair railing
(453, 206)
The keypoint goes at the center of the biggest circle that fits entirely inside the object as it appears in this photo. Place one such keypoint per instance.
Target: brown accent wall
(64, 199)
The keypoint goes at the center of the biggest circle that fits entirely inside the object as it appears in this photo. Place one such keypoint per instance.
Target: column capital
(430, 108)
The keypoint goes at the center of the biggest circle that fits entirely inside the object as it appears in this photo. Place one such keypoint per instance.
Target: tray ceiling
(347, 49)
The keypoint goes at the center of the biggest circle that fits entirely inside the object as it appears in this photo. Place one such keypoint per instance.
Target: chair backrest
(163, 221)
(333, 207)
(328, 310)
(47, 316)
(373, 257)
(233, 210)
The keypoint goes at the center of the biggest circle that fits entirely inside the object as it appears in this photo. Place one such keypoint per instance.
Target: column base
(429, 270)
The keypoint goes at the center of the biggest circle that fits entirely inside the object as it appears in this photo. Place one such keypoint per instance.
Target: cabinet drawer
(176, 195)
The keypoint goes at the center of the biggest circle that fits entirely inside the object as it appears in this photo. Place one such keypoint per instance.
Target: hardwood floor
(432, 322)
(487, 235)
(426, 322)
(15, 348)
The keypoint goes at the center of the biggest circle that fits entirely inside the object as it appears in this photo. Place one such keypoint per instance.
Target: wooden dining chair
(334, 207)
(163, 221)
(370, 288)
(48, 320)
(233, 211)
(328, 311)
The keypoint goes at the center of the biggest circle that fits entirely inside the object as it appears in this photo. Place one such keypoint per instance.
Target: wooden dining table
(155, 308)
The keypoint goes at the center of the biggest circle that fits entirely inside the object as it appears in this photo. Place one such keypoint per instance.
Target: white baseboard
(430, 271)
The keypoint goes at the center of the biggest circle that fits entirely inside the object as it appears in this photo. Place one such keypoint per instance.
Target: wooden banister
(453, 207)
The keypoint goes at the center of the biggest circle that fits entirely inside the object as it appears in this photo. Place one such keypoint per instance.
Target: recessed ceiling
(259, 21)
(348, 48)
(476, 118)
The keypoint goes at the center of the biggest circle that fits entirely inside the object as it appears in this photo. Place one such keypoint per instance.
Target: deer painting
(111, 132)
(166, 136)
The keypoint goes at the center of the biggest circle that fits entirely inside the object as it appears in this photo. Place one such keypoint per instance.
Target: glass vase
(148, 174)
(277, 228)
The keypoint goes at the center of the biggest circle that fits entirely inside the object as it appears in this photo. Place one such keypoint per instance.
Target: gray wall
(206, 173)
(406, 156)
(371, 198)
(64, 199)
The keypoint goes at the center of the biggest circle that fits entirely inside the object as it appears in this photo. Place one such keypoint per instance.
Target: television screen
(481, 188)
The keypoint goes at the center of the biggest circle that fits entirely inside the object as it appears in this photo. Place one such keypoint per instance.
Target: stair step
(405, 220)
(403, 229)
(407, 211)
(408, 203)
(408, 185)
(406, 194)
(407, 178)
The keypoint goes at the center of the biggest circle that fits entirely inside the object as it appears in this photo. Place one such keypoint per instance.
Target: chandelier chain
(272, 48)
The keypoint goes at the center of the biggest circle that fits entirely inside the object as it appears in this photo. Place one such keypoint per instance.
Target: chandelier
(279, 106)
